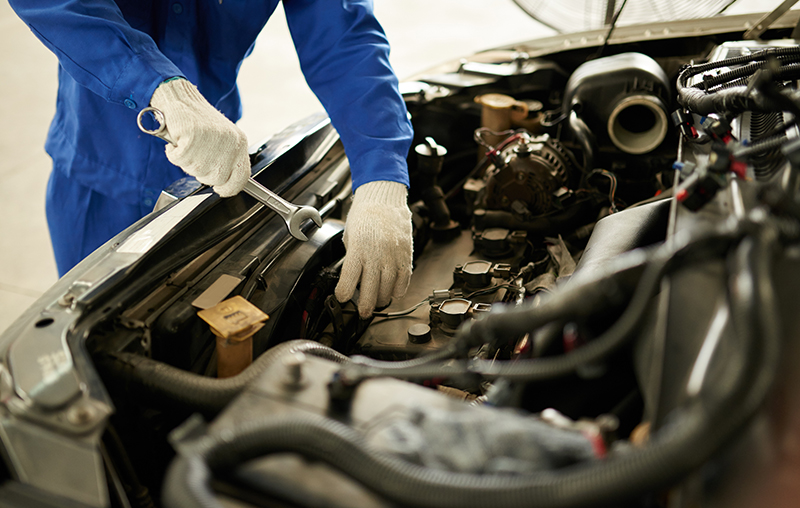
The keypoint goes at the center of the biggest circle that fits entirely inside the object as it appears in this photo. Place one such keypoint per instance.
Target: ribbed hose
(730, 100)
(740, 72)
(743, 59)
(787, 67)
(733, 100)
(694, 435)
(170, 385)
(787, 72)
(762, 145)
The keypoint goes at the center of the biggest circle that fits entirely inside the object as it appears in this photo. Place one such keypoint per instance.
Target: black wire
(399, 313)
(489, 290)
(692, 70)
(610, 30)
(789, 71)
(734, 100)
(478, 137)
(552, 123)
(759, 146)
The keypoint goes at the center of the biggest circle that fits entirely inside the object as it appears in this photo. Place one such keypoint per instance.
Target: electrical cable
(399, 313)
(787, 69)
(490, 290)
(478, 137)
(736, 99)
(761, 145)
(765, 54)
(610, 30)
(546, 122)
(612, 190)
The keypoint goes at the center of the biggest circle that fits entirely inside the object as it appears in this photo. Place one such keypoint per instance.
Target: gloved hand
(208, 146)
(377, 237)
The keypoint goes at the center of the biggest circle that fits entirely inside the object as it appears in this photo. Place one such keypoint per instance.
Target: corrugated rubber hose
(171, 385)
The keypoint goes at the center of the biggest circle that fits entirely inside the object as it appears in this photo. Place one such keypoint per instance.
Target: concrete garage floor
(423, 33)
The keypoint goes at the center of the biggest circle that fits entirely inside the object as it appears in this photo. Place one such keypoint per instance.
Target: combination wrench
(292, 214)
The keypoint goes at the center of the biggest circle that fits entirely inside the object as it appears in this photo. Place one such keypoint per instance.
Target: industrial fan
(580, 15)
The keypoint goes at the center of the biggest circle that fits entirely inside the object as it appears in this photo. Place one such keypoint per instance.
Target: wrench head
(299, 216)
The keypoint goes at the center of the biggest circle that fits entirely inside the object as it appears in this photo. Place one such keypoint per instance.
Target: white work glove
(207, 146)
(377, 237)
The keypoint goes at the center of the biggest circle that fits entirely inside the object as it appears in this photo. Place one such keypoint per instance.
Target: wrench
(292, 214)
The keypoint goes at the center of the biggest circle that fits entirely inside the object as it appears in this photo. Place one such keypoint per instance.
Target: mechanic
(118, 56)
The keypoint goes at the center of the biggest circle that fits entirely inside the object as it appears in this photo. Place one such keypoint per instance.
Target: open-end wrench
(292, 214)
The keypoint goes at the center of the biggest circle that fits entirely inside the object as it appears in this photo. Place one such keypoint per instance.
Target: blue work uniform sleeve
(344, 56)
(98, 48)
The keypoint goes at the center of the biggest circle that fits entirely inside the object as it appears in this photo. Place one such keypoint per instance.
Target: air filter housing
(622, 98)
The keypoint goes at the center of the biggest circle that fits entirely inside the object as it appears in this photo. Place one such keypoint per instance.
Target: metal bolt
(293, 364)
(80, 414)
(66, 300)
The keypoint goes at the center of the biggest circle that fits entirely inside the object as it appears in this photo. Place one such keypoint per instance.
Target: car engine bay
(602, 310)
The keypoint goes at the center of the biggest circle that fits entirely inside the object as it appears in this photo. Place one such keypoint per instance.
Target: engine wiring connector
(440, 295)
(718, 128)
(683, 120)
(719, 160)
(699, 188)
(700, 183)
(686, 168)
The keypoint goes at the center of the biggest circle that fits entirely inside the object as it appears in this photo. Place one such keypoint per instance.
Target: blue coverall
(114, 53)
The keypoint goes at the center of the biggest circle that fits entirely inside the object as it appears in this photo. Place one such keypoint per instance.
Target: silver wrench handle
(269, 198)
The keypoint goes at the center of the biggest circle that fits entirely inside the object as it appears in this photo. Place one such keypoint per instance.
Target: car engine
(602, 310)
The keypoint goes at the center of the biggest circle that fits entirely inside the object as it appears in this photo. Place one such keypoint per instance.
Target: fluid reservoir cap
(419, 333)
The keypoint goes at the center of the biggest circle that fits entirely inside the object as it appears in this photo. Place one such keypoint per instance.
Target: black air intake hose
(171, 385)
(695, 433)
